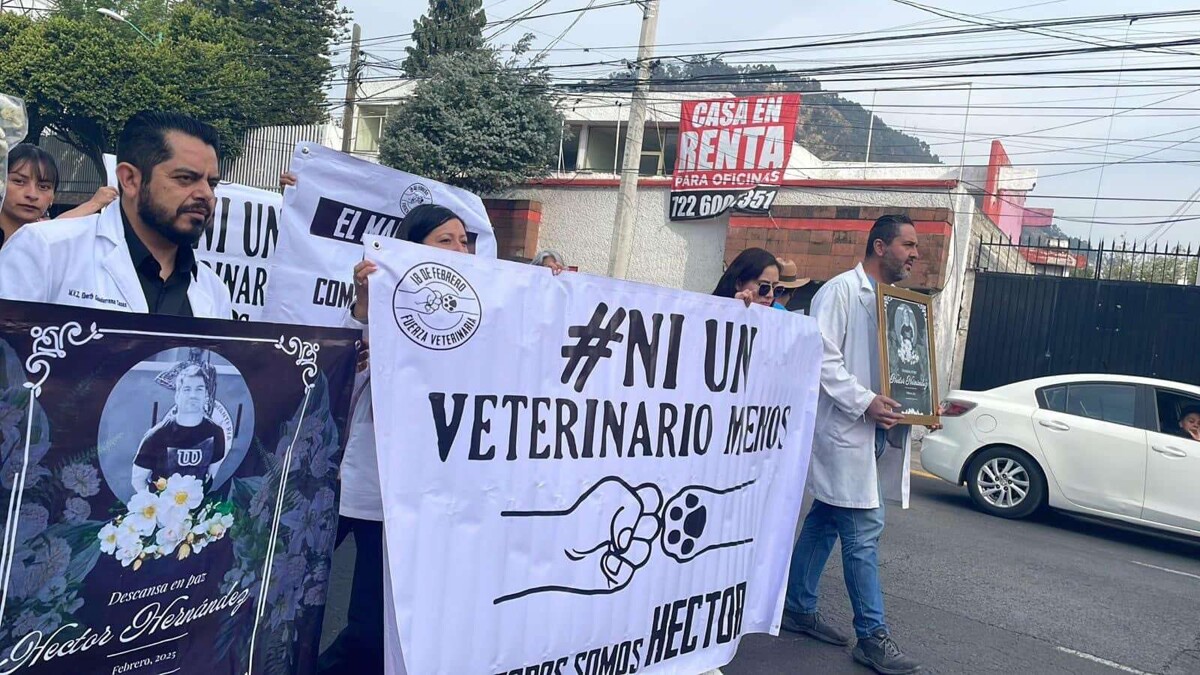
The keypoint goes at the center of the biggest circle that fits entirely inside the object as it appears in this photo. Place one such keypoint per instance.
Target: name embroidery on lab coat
(88, 295)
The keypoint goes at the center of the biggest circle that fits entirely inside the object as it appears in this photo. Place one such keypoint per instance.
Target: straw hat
(789, 275)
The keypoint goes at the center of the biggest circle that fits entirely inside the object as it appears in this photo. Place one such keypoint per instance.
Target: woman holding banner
(358, 649)
(752, 277)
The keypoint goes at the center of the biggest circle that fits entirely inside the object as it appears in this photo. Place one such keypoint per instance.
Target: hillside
(831, 127)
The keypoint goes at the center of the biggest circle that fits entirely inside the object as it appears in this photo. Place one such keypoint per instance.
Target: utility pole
(351, 90)
(622, 245)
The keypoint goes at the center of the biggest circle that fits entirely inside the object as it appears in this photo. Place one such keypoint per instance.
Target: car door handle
(1169, 451)
(1055, 425)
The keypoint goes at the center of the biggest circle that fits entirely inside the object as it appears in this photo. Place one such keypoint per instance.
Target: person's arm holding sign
(833, 318)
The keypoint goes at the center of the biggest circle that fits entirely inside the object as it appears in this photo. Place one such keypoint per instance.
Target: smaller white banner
(338, 200)
(581, 476)
(241, 243)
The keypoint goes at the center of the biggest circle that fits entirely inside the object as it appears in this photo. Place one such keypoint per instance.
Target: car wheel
(1006, 482)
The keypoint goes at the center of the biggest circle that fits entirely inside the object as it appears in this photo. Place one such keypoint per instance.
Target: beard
(894, 268)
(164, 223)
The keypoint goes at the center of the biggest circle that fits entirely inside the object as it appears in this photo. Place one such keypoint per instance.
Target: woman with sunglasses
(752, 277)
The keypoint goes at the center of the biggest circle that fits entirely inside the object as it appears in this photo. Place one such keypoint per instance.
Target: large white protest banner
(239, 245)
(582, 475)
(337, 201)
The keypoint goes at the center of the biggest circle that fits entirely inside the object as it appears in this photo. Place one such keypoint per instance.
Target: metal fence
(1106, 261)
(267, 152)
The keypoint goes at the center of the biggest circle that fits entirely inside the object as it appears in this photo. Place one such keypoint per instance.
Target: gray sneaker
(881, 653)
(813, 625)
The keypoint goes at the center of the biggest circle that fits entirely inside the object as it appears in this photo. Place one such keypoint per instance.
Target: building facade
(820, 218)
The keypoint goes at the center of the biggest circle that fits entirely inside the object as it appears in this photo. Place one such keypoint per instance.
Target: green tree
(83, 78)
(1170, 265)
(292, 41)
(449, 26)
(477, 121)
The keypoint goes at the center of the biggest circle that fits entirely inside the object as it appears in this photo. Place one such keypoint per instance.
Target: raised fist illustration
(595, 546)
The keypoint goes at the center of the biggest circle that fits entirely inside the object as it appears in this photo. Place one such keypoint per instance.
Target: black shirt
(162, 297)
(188, 451)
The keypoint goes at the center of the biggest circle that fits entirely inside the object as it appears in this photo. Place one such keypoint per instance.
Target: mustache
(202, 208)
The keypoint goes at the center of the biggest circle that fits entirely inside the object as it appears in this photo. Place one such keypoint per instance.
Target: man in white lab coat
(136, 255)
(860, 454)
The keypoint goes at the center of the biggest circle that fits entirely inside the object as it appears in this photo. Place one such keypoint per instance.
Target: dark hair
(886, 229)
(422, 220)
(41, 162)
(1188, 410)
(748, 266)
(143, 141)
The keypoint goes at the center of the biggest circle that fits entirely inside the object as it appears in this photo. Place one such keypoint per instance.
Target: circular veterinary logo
(436, 307)
(414, 196)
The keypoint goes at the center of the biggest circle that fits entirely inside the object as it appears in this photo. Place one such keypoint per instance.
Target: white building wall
(578, 222)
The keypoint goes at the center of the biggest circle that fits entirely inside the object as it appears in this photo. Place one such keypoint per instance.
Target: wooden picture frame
(908, 363)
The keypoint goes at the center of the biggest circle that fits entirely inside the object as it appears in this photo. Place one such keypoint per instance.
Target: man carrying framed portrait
(909, 374)
(860, 449)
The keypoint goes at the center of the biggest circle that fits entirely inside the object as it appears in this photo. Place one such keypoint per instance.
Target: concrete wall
(577, 219)
(578, 222)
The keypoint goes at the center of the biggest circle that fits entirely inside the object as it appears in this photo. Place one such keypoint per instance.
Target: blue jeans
(859, 530)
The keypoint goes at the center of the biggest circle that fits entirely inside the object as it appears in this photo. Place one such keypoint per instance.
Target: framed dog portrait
(907, 355)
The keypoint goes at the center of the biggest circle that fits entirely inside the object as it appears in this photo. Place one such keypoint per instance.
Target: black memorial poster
(154, 471)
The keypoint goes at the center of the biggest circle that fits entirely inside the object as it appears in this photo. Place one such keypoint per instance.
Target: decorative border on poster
(306, 359)
(51, 342)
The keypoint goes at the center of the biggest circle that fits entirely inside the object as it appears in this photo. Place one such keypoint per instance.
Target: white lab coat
(85, 262)
(844, 471)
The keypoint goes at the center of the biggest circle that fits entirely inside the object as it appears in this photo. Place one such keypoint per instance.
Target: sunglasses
(767, 289)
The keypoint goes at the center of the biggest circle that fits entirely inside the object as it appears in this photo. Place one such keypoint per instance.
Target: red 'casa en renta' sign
(732, 154)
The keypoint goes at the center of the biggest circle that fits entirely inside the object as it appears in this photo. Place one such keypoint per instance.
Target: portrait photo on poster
(174, 430)
(185, 412)
(909, 361)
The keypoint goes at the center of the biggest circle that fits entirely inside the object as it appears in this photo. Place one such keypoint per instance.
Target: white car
(1103, 445)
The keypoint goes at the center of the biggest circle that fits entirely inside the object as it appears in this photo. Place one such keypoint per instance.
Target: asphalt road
(969, 593)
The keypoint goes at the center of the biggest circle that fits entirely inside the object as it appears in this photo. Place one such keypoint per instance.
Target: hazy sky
(1062, 132)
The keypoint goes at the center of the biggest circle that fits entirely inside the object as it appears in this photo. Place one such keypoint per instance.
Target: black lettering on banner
(677, 627)
(447, 430)
(546, 668)
(260, 234)
(483, 424)
(514, 405)
(347, 223)
(644, 346)
(536, 450)
(614, 426)
(609, 428)
(568, 413)
(589, 427)
(641, 434)
(741, 362)
(666, 429)
(247, 285)
(619, 659)
(333, 293)
(219, 231)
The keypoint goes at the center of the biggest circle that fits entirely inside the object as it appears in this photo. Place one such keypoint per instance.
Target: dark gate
(1027, 323)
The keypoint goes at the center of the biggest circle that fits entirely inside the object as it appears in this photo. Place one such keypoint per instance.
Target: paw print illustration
(686, 526)
(692, 520)
(449, 303)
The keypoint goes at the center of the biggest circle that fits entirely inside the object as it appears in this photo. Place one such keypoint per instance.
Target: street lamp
(110, 14)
